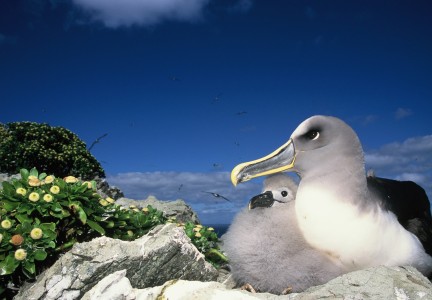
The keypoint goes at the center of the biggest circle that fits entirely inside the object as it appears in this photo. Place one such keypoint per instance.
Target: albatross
(266, 248)
(358, 220)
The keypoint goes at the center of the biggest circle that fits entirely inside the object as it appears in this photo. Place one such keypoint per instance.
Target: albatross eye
(312, 135)
(284, 193)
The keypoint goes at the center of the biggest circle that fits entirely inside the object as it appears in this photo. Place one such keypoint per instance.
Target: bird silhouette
(217, 195)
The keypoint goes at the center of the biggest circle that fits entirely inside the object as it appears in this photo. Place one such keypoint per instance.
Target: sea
(220, 229)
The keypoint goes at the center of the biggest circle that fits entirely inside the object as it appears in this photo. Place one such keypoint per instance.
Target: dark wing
(409, 202)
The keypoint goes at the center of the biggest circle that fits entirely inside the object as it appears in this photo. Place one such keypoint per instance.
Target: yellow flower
(109, 200)
(49, 179)
(33, 197)
(197, 229)
(145, 209)
(21, 191)
(132, 206)
(199, 226)
(210, 229)
(197, 234)
(36, 233)
(17, 239)
(1, 237)
(135, 209)
(55, 189)
(20, 254)
(103, 202)
(48, 198)
(130, 233)
(6, 224)
(88, 183)
(70, 179)
(34, 181)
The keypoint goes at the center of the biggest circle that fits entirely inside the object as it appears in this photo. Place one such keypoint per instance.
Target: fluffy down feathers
(267, 250)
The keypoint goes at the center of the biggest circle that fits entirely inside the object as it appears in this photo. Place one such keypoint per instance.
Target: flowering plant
(42, 216)
(206, 241)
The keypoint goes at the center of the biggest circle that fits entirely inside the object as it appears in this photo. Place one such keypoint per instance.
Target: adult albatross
(361, 222)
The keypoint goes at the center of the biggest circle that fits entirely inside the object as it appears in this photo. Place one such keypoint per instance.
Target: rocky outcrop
(399, 283)
(105, 190)
(178, 208)
(165, 253)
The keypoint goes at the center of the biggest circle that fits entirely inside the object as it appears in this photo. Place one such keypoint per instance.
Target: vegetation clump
(54, 149)
(42, 216)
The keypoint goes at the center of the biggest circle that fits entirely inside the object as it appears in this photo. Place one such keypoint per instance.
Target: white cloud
(115, 13)
(409, 160)
(241, 6)
(402, 113)
(189, 187)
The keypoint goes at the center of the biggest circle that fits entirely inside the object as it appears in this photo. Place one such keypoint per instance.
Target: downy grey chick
(266, 248)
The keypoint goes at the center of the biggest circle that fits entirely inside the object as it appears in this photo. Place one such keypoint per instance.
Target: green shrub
(206, 241)
(42, 216)
(55, 150)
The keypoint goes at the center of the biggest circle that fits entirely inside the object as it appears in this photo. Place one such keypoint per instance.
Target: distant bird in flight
(217, 195)
(180, 187)
(241, 113)
(217, 98)
(174, 78)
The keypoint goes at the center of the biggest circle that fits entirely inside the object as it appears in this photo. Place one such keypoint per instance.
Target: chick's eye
(312, 135)
(284, 193)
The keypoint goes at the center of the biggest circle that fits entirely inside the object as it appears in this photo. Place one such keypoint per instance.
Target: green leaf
(47, 226)
(8, 188)
(24, 174)
(9, 206)
(30, 267)
(40, 254)
(23, 218)
(76, 208)
(42, 176)
(34, 172)
(96, 227)
(8, 265)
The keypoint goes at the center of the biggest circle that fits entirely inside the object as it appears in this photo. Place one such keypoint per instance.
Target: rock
(399, 283)
(105, 190)
(177, 208)
(114, 286)
(165, 253)
(177, 290)
(6, 177)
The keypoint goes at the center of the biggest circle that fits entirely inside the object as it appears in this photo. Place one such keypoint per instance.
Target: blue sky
(185, 90)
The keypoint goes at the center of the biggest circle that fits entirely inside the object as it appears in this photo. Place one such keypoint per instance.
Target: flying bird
(363, 221)
(266, 248)
(217, 195)
(217, 98)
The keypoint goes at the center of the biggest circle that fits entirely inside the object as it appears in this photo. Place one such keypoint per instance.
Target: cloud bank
(115, 13)
(190, 187)
(408, 160)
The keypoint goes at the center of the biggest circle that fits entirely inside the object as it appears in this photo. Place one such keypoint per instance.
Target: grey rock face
(401, 283)
(177, 208)
(379, 283)
(105, 190)
(163, 254)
